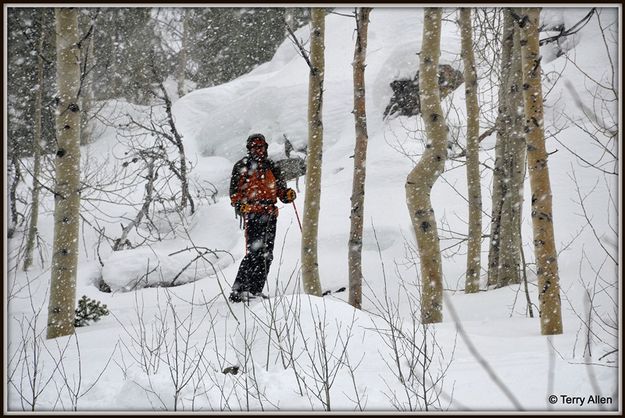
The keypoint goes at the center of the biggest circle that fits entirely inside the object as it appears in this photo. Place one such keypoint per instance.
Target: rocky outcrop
(405, 100)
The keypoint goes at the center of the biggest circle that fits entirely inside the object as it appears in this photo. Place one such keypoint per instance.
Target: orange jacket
(258, 185)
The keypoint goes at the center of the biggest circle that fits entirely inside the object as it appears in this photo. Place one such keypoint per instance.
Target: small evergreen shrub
(89, 311)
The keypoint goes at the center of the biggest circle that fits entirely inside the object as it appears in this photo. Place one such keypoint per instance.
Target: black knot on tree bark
(425, 226)
(60, 153)
(543, 216)
(73, 107)
(524, 21)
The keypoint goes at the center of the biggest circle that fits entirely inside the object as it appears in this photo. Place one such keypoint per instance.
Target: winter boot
(235, 297)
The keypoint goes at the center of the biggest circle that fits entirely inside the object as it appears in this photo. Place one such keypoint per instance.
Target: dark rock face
(405, 100)
(291, 168)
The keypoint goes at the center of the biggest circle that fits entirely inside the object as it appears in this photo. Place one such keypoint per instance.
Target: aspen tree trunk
(12, 210)
(67, 198)
(34, 212)
(423, 176)
(509, 269)
(542, 215)
(360, 160)
(15, 176)
(182, 62)
(503, 126)
(472, 283)
(310, 226)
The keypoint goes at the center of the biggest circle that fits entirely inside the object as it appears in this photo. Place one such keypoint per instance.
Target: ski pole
(297, 215)
(245, 230)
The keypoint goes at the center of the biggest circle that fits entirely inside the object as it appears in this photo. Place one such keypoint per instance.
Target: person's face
(258, 150)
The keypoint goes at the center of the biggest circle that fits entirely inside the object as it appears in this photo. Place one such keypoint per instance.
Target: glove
(240, 208)
(289, 196)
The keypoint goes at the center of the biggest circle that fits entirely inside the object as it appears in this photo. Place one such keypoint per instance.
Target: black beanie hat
(253, 137)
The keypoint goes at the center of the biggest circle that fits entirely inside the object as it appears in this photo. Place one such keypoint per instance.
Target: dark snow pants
(260, 233)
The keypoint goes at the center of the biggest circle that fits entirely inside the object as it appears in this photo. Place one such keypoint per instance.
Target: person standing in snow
(255, 186)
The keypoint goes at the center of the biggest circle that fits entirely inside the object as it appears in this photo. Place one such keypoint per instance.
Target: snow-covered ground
(167, 348)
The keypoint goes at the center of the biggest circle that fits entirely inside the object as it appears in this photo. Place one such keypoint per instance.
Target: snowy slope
(272, 99)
